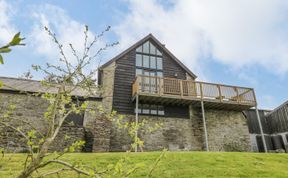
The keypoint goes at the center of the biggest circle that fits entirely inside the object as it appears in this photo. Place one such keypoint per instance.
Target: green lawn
(179, 164)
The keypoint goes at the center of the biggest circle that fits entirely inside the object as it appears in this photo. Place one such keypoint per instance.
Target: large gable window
(149, 62)
(149, 57)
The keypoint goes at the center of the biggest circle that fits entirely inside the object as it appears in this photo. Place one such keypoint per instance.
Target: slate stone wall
(30, 109)
(97, 130)
(227, 130)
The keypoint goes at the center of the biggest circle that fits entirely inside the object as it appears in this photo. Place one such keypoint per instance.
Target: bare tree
(66, 77)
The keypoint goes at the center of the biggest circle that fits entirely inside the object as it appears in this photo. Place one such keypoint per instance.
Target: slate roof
(34, 86)
(150, 36)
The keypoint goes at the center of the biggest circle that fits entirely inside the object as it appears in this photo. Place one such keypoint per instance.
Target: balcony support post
(136, 121)
(181, 88)
(204, 125)
(237, 95)
(261, 129)
(201, 91)
(220, 93)
(160, 86)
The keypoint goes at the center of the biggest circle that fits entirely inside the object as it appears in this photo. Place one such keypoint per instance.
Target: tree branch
(66, 165)
(54, 172)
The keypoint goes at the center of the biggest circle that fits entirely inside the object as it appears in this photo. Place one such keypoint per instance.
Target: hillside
(178, 164)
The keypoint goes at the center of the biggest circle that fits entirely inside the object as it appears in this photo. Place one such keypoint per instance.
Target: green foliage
(75, 146)
(1, 62)
(16, 41)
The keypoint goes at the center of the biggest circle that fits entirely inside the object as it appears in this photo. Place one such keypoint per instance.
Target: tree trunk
(35, 164)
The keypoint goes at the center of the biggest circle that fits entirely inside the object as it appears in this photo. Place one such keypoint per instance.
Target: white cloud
(67, 31)
(7, 30)
(236, 33)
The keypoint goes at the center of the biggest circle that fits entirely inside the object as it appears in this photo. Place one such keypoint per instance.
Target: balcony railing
(192, 90)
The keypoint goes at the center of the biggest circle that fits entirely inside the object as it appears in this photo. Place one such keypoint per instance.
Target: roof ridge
(14, 78)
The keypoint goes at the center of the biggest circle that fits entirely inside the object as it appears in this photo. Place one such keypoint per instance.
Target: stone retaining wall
(227, 130)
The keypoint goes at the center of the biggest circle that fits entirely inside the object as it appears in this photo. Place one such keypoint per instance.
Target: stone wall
(67, 136)
(227, 131)
(175, 134)
(97, 130)
(31, 109)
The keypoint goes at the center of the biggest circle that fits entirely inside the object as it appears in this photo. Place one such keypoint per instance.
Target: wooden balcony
(184, 92)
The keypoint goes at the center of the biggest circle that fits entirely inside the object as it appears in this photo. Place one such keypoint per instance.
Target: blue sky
(239, 43)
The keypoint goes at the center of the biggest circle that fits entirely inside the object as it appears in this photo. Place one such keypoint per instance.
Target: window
(152, 49)
(158, 53)
(148, 56)
(151, 109)
(149, 63)
(160, 74)
(145, 109)
(138, 60)
(146, 62)
(159, 63)
(139, 49)
(139, 72)
(152, 62)
(161, 110)
(146, 47)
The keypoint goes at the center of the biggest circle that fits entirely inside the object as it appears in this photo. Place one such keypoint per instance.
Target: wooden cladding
(194, 90)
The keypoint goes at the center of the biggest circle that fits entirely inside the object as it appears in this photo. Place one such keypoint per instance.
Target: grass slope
(178, 164)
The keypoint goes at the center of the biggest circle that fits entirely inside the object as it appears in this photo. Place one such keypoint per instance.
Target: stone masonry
(31, 109)
(227, 131)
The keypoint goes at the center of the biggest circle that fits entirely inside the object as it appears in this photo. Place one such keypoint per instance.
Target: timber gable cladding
(125, 73)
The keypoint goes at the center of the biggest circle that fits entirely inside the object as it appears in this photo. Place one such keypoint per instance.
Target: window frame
(154, 55)
(141, 108)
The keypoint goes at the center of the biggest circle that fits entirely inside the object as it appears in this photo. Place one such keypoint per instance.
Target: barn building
(146, 81)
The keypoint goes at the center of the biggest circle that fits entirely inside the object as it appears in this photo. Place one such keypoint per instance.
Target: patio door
(150, 82)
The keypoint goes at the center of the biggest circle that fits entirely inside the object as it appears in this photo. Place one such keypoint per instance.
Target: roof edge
(149, 36)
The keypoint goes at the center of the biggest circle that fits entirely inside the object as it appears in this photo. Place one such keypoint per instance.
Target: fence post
(237, 94)
(201, 91)
(181, 88)
(160, 86)
(220, 93)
